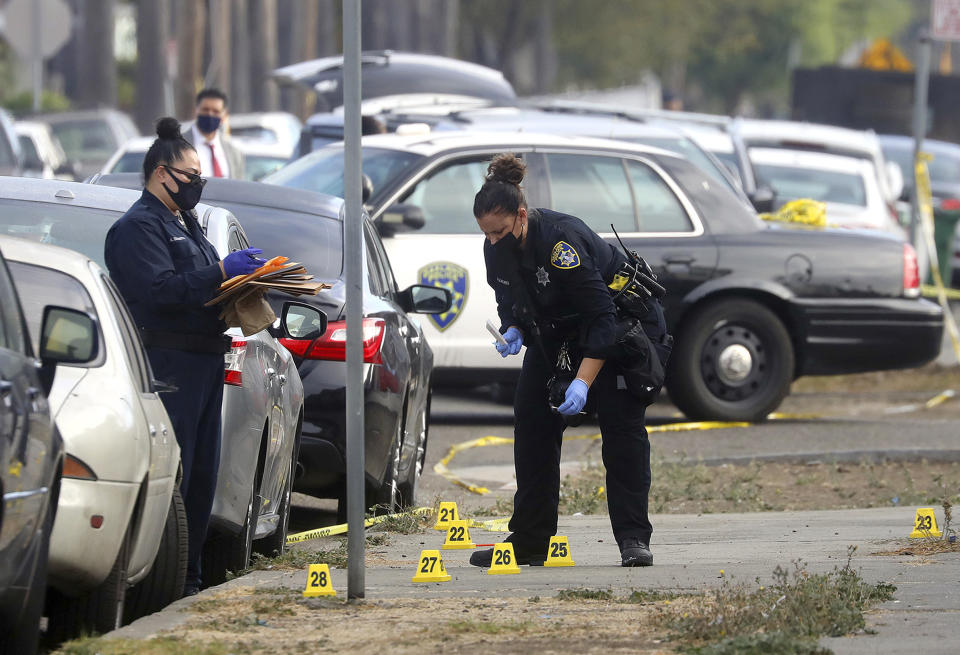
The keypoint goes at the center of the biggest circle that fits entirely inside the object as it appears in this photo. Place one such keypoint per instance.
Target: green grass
(296, 559)
(585, 594)
(405, 523)
(788, 616)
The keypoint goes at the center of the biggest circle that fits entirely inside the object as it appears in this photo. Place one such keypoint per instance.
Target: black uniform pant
(194, 410)
(538, 436)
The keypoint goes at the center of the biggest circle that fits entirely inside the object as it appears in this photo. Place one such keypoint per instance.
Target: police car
(751, 306)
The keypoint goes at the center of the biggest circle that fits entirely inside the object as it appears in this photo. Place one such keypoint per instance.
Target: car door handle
(679, 259)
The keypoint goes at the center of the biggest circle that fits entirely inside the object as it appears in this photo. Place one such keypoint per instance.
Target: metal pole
(353, 254)
(919, 123)
(36, 58)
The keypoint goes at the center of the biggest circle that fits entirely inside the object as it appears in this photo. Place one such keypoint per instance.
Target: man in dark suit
(219, 157)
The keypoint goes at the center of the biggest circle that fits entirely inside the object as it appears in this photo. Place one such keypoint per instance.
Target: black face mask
(508, 245)
(187, 195)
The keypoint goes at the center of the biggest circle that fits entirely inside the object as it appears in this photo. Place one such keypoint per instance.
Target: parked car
(11, 155)
(119, 487)
(90, 137)
(944, 170)
(847, 185)
(308, 228)
(389, 73)
(31, 451)
(269, 128)
(261, 159)
(42, 154)
(752, 306)
(795, 135)
(263, 396)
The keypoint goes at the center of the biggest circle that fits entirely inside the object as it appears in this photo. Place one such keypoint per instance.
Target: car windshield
(259, 166)
(83, 229)
(792, 182)
(129, 162)
(322, 170)
(39, 286)
(85, 139)
(689, 150)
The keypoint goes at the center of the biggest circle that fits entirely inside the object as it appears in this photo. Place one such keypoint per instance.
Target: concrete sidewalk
(690, 552)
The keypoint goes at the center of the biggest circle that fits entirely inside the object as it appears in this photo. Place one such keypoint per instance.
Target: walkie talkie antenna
(627, 252)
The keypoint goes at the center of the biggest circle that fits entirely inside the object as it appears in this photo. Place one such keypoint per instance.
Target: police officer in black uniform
(166, 270)
(551, 275)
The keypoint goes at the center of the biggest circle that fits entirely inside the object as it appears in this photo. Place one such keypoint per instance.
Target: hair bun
(507, 168)
(169, 128)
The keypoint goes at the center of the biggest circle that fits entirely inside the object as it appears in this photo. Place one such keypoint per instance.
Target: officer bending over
(166, 270)
(556, 282)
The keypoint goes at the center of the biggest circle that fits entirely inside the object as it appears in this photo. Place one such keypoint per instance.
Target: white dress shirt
(204, 152)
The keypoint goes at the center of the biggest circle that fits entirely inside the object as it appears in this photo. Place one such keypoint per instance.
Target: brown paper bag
(249, 311)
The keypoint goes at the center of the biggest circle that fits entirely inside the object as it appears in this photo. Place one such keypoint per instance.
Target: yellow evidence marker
(318, 581)
(458, 536)
(445, 514)
(925, 524)
(504, 560)
(430, 567)
(558, 552)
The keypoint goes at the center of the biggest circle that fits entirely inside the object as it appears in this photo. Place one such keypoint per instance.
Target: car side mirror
(425, 299)
(301, 321)
(763, 199)
(67, 336)
(400, 218)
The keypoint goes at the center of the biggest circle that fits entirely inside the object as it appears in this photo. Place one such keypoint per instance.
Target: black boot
(526, 556)
(634, 552)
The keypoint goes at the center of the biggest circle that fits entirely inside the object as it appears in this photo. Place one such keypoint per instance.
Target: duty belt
(194, 343)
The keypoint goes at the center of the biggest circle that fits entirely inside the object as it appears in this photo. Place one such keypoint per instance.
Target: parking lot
(889, 434)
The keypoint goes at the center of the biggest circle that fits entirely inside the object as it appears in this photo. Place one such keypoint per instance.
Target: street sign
(55, 25)
(945, 20)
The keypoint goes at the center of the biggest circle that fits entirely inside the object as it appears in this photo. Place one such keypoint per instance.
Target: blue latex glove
(514, 339)
(242, 262)
(575, 398)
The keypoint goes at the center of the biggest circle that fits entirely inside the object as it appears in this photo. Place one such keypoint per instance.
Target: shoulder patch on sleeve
(564, 256)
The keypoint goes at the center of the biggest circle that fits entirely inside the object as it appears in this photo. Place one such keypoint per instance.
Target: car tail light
(332, 344)
(233, 371)
(950, 204)
(74, 468)
(911, 272)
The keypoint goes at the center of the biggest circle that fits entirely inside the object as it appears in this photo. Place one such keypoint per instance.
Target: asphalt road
(835, 426)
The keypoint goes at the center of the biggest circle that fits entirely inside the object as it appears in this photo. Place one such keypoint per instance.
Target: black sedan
(307, 227)
(752, 306)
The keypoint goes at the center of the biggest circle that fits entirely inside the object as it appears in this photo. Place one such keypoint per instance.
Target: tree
(263, 41)
(190, 21)
(153, 17)
(98, 68)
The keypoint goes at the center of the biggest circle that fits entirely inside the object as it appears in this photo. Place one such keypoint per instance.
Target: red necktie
(217, 171)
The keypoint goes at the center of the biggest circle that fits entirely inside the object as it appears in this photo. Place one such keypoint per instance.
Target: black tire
(386, 498)
(230, 552)
(732, 361)
(276, 543)
(24, 634)
(97, 611)
(164, 583)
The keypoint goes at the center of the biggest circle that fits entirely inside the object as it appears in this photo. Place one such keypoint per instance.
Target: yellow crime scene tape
(925, 198)
(333, 530)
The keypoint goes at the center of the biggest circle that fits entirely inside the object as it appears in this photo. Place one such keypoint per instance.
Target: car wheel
(275, 544)
(99, 610)
(24, 635)
(387, 497)
(408, 487)
(164, 583)
(733, 361)
(230, 552)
